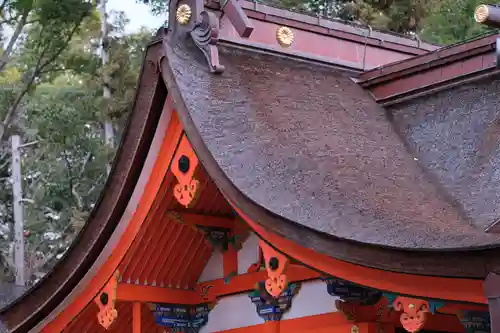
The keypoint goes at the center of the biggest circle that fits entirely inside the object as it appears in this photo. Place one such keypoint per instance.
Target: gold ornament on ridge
(284, 36)
(183, 14)
(481, 13)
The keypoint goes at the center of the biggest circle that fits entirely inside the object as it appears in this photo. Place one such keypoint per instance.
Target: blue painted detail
(390, 298)
(270, 308)
(181, 318)
(475, 321)
(434, 305)
(219, 237)
(351, 292)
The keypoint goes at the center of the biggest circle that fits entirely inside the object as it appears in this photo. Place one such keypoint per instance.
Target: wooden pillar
(136, 318)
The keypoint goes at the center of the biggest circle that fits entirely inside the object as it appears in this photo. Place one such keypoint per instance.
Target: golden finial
(481, 13)
(354, 329)
(183, 14)
(284, 36)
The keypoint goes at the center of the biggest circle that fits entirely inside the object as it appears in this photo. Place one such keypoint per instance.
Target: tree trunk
(109, 136)
(18, 211)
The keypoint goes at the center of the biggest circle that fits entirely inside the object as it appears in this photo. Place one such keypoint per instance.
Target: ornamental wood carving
(276, 264)
(183, 167)
(106, 302)
(189, 18)
(414, 312)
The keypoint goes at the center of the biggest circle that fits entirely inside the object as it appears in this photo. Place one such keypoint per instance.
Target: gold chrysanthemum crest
(183, 14)
(481, 13)
(284, 36)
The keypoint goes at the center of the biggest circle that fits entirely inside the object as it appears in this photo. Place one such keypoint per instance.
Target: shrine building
(283, 173)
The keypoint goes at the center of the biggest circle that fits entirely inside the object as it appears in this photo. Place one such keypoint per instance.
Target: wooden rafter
(202, 220)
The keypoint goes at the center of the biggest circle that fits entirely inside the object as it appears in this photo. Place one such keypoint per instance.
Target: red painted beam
(211, 290)
(207, 291)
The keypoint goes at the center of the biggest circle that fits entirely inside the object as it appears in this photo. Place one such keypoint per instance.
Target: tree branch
(39, 67)
(4, 59)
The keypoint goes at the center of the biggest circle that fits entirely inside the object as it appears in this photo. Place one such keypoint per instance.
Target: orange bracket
(183, 167)
(276, 264)
(414, 312)
(106, 302)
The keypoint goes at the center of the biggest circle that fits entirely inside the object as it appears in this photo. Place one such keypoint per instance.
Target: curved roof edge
(457, 263)
(32, 307)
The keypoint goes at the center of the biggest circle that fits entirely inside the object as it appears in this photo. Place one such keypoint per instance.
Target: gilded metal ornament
(183, 14)
(284, 36)
(481, 13)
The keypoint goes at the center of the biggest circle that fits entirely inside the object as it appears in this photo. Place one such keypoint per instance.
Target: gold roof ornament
(284, 36)
(481, 13)
(183, 14)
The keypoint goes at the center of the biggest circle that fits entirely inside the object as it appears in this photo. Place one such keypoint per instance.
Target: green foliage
(452, 21)
(157, 6)
(51, 84)
(65, 172)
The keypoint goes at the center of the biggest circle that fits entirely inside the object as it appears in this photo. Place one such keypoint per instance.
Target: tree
(452, 21)
(42, 32)
(65, 173)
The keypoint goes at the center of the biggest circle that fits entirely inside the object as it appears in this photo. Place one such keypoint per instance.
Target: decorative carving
(183, 14)
(275, 265)
(284, 36)
(475, 321)
(206, 36)
(181, 318)
(414, 312)
(183, 167)
(481, 13)
(106, 302)
(350, 292)
(272, 308)
(219, 237)
(191, 19)
(204, 290)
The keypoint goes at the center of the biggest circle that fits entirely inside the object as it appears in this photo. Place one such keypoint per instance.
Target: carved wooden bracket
(183, 167)
(350, 292)
(275, 266)
(414, 312)
(190, 18)
(475, 321)
(181, 318)
(271, 308)
(106, 302)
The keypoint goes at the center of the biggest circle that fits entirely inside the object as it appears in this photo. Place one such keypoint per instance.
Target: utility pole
(18, 210)
(106, 91)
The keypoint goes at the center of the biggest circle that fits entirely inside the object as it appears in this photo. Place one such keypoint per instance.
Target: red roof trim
(359, 34)
(427, 61)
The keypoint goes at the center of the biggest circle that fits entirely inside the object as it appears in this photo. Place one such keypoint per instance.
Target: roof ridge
(440, 54)
(356, 26)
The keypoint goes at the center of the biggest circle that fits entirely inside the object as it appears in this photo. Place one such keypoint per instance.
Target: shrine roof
(309, 145)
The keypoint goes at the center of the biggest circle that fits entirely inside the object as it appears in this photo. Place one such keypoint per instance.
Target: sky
(138, 14)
